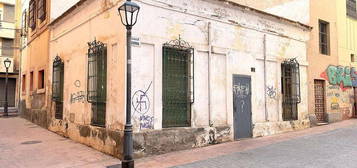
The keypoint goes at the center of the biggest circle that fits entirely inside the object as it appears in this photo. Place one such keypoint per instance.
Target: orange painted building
(35, 91)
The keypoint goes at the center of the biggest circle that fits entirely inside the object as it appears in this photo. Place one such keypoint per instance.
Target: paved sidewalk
(271, 151)
(25, 145)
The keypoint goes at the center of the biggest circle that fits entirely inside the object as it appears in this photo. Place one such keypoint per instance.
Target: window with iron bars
(351, 8)
(41, 10)
(290, 81)
(32, 14)
(324, 37)
(24, 24)
(57, 86)
(178, 82)
(97, 81)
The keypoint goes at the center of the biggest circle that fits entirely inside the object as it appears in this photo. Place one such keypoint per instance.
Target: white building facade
(215, 71)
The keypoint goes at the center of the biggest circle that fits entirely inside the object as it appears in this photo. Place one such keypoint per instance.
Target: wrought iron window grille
(290, 88)
(97, 81)
(57, 86)
(178, 83)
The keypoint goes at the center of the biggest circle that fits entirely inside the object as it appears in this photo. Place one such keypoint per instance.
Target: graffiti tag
(241, 90)
(146, 122)
(141, 101)
(341, 76)
(78, 97)
(271, 92)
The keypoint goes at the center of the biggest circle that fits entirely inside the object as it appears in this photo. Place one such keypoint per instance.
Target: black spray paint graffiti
(77, 83)
(146, 122)
(140, 101)
(271, 92)
(78, 97)
(141, 105)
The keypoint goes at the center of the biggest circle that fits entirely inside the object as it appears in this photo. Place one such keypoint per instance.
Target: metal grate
(57, 86)
(177, 83)
(290, 88)
(319, 100)
(97, 81)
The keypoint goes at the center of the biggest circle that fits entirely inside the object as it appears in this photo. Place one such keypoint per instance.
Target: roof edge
(266, 13)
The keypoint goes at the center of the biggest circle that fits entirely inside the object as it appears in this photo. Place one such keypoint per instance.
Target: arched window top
(178, 43)
(291, 61)
(57, 61)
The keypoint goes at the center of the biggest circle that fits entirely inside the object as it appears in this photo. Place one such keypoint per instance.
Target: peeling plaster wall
(237, 46)
(69, 37)
(291, 9)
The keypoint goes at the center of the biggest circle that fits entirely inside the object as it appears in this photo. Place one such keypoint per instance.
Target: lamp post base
(127, 164)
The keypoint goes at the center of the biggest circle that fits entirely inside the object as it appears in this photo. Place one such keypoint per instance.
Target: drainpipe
(265, 79)
(209, 73)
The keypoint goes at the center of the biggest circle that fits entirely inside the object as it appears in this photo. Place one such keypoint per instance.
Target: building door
(10, 92)
(355, 102)
(242, 110)
(320, 100)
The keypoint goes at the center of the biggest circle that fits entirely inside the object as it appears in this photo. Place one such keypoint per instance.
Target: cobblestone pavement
(333, 146)
(25, 145)
(333, 149)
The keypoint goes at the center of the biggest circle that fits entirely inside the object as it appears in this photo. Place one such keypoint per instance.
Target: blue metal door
(242, 108)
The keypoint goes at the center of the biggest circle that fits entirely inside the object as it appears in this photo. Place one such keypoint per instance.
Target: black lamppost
(7, 64)
(128, 14)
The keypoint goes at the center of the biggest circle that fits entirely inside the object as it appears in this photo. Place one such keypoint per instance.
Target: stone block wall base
(333, 117)
(271, 128)
(36, 116)
(102, 139)
(153, 142)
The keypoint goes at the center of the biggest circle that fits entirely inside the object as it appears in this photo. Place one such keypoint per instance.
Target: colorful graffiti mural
(343, 76)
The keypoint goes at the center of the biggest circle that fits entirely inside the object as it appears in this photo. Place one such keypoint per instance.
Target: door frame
(251, 109)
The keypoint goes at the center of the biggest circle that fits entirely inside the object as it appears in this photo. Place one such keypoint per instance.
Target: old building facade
(332, 53)
(7, 51)
(196, 75)
(204, 72)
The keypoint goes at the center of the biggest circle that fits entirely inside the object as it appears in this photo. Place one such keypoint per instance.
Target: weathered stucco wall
(318, 62)
(69, 37)
(291, 9)
(237, 39)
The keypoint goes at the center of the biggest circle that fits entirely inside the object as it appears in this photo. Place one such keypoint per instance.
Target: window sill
(41, 91)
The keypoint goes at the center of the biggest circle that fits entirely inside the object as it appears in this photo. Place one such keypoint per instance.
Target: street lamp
(7, 64)
(128, 14)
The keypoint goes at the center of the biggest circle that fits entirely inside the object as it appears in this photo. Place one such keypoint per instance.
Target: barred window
(41, 10)
(57, 86)
(351, 8)
(290, 72)
(32, 16)
(24, 23)
(177, 83)
(324, 37)
(97, 81)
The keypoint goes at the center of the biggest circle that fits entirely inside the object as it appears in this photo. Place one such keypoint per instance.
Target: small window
(31, 81)
(24, 83)
(324, 37)
(41, 79)
(41, 10)
(32, 14)
(351, 8)
(97, 81)
(24, 23)
(352, 58)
